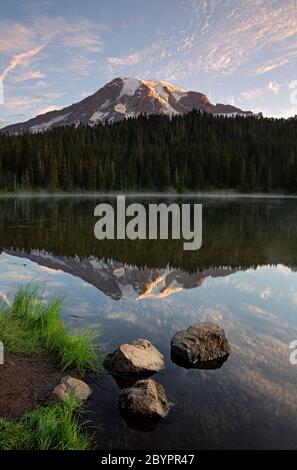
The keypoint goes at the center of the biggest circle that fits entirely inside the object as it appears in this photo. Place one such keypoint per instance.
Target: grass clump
(12, 435)
(31, 326)
(54, 427)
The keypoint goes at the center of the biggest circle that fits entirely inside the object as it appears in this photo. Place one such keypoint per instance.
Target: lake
(244, 278)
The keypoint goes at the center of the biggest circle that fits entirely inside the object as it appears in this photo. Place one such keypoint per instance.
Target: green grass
(54, 427)
(31, 326)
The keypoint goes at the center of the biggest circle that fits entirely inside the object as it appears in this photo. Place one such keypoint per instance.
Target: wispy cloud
(80, 65)
(15, 37)
(31, 75)
(80, 34)
(219, 47)
(252, 94)
(20, 103)
(222, 37)
(19, 59)
(273, 65)
(131, 59)
(28, 52)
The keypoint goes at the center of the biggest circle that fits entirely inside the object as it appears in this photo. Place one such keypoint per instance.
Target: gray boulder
(137, 358)
(146, 398)
(203, 346)
(71, 386)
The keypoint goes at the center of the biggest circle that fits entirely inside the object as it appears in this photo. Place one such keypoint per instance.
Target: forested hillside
(191, 152)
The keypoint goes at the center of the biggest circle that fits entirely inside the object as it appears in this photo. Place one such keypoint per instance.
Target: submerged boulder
(71, 386)
(139, 357)
(202, 346)
(146, 398)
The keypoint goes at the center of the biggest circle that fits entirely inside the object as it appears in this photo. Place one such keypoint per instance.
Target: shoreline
(40, 402)
(169, 195)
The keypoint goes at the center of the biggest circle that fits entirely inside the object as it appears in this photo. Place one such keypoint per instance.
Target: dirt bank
(26, 383)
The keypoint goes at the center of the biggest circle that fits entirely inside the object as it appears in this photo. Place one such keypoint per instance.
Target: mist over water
(164, 195)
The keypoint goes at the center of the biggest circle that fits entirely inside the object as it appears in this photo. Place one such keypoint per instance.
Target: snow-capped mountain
(123, 98)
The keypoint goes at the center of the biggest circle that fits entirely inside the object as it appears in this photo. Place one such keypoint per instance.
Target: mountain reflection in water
(243, 278)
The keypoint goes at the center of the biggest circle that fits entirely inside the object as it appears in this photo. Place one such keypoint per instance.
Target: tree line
(196, 151)
(236, 233)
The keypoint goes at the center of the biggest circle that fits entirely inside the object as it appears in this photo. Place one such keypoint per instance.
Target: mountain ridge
(122, 281)
(122, 98)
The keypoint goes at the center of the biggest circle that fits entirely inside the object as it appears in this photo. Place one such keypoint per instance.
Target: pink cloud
(19, 59)
(131, 59)
(52, 107)
(34, 75)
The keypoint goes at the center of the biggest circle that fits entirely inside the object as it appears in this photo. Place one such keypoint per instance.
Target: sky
(54, 53)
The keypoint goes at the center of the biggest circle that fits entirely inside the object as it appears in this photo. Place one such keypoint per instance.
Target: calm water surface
(243, 278)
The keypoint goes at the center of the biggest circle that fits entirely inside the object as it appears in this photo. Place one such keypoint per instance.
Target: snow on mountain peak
(126, 97)
(157, 84)
(157, 89)
(130, 85)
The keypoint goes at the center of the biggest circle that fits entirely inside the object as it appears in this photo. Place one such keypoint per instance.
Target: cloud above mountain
(220, 47)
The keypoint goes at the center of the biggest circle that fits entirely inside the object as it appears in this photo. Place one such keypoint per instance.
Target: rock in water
(139, 357)
(145, 399)
(71, 386)
(199, 345)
